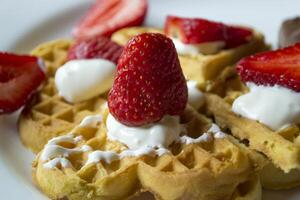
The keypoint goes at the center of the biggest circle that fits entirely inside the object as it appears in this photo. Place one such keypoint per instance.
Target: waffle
(213, 170)
(202, 68)
(122, 36)
(48, 115)
(282, 147)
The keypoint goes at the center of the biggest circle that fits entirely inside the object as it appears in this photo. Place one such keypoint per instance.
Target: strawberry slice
(197, 31)
(281, 67)
(19, 77)
(149, 82)
(96, 47)
(105, 17)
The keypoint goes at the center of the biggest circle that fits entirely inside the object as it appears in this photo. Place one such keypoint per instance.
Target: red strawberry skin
(197, 30)
(149, 82)
(281, 67)
(96, 47)
(20, 76)
(236, 36)
(105, 17)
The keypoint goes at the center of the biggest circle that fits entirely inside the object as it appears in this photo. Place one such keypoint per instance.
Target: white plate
(26, 23)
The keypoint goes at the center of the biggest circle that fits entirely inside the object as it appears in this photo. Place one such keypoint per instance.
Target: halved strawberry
(96, 47)
(149, 83)
(280, 67)
(20, 75)
(108, 16)
(197, 31)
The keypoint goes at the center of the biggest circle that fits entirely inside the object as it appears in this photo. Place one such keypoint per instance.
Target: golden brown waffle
(281, 147)
(202, 68)
(227, 85)
(212, 170)
(48, 115)
(122, 36)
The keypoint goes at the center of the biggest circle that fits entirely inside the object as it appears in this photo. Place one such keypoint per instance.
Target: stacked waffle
(215, 168)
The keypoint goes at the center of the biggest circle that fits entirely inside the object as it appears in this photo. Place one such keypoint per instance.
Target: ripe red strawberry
(19, 77)
(280, 67)
(106, 17)
(197, 30)
(96, 47)
(149, 82)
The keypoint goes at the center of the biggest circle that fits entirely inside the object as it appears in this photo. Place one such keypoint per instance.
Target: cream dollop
(274, 106)
(159, 134)
(194, 49)
(79, 80)
(110, 156)
(195, 96)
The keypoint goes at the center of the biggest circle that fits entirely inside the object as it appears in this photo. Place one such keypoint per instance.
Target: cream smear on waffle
(194, 49)
(79, 80)
(152, 140)
(274, 106)
(56, 155)
(195, 96)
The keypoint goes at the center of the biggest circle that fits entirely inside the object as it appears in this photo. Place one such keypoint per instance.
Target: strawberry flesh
(96, 47)
(20, 76)
(105, 17)
(197, 31)
(280, 67)
(149, 82)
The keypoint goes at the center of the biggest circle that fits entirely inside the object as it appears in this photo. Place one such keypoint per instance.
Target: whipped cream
(205, 137)
(215, 129)
(274, 106)
(58, 162)
(91, 121)
(54, 155)
(159, 134)
(152, 140)
(213, 132)
(110, 156)
(195, 96)
(79, 80)
(194, 49)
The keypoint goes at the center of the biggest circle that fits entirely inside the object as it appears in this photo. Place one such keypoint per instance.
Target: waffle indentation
(187, 159)
(49, 89)
(50, 107)
(67, 115)
(168, 167)
(37, 116)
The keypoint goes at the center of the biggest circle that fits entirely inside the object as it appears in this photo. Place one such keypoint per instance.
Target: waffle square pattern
(87, 165)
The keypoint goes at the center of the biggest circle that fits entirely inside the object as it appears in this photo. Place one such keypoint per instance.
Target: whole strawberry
(149, 82)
